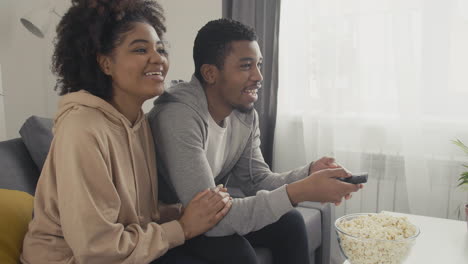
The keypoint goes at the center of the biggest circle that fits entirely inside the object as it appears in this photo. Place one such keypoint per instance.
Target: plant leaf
(463, 182)
(463, 176)
(461, 145)
(463, 179)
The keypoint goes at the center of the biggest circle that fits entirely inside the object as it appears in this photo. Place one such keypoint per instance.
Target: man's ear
(209, 73)
(104, 63)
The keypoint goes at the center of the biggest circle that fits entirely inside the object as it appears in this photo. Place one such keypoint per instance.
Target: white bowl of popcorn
(371, 238)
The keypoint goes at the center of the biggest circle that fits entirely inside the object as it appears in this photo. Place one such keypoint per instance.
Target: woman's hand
(204, 211)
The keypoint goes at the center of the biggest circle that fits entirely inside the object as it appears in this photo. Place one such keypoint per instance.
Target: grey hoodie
(179, 122)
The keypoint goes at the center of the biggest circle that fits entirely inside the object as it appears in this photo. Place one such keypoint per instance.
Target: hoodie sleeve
(182, 162)
(169, 212)
(89, 203)
(253, 174)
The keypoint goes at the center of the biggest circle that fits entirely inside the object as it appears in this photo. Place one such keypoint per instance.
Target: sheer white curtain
(383, 87)
(2, 110)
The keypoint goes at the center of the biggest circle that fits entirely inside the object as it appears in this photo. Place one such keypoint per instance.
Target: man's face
(238, 82)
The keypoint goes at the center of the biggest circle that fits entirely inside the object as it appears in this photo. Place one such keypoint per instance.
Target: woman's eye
(162, 51)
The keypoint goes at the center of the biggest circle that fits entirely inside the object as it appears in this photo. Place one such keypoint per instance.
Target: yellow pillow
(15, 213)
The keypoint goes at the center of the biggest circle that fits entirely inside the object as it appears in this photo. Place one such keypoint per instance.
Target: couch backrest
(21, 159)
(36, 134)
(17, 169)
(18, 179)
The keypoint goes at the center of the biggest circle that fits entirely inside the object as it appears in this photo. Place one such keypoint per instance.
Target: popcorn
(375, 238)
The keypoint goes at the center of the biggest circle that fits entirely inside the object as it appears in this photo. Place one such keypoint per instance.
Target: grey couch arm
(320, 255)
(327, 215)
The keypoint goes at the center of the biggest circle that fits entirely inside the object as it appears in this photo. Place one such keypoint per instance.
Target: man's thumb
(337, 173)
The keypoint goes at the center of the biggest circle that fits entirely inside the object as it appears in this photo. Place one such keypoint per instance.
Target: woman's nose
(156, 57)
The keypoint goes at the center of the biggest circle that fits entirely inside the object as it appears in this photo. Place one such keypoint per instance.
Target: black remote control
(356, 178)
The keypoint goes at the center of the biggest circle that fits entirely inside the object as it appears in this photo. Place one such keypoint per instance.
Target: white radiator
(386, 188)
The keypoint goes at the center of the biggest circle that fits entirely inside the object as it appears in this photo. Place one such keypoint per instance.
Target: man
(206, 133)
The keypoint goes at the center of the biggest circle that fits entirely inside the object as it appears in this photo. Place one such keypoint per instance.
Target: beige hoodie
(96, 199)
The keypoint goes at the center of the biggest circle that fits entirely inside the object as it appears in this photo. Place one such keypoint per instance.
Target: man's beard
(244, 109)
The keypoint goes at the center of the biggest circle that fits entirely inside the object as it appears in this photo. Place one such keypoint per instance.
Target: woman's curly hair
(92, 27)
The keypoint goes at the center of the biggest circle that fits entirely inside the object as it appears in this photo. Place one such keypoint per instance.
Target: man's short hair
(213, 42)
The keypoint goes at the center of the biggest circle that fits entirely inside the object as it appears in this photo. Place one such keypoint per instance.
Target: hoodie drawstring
(153, 184)
(132, 157)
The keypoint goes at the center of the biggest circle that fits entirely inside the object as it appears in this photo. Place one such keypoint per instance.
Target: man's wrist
(310, 167)
(293, 191)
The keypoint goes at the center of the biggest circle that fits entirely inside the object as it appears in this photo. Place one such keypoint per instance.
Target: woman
(96, 199)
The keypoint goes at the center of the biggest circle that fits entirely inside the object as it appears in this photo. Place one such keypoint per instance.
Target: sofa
(21, 160)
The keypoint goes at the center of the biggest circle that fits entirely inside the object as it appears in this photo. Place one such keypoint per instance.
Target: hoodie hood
(84, 98)
(193, 95)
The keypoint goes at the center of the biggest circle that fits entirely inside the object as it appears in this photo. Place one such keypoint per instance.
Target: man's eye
(260, 65)
(246, 66)
(140, 50)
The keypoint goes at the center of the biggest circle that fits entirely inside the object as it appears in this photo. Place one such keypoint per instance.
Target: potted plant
(463, 180)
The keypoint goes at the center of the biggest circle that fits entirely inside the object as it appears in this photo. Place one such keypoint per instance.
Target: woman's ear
(104, 63)
(209, 73)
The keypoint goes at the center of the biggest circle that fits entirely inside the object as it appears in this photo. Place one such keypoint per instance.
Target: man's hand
(322, 164)
(329, 163)
(322, 186)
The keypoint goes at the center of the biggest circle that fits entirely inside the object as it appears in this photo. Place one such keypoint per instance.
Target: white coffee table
(441, 241)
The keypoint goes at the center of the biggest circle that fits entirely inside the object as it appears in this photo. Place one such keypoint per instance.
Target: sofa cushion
(16, 210)
(313, 223)
(36, 133)
(18, 171)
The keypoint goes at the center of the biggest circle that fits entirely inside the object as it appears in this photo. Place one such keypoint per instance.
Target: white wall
(184, 19)
(25, 67)
(27, 81)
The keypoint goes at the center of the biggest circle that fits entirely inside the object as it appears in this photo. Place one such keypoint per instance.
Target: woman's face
(138, 64)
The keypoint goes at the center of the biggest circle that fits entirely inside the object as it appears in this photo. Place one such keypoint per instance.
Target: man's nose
(257, 75)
